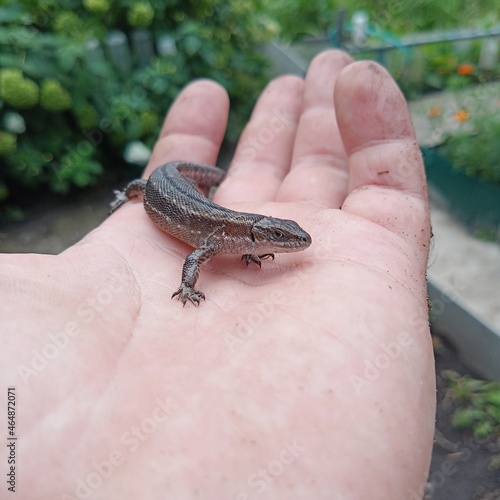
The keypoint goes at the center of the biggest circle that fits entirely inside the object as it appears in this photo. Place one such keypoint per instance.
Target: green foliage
(479, 404)
(54, 97)
(77, 109)
(476, 153)
(300, 17)
(489, 235)
(16, 90)
(140, 15)
(76, 167)
(296, 18)
(97, 7)
(7, 143)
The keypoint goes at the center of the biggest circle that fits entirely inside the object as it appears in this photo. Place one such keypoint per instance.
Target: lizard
(173, 201)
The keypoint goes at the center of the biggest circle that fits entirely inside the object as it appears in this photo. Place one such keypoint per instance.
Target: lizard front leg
(190, 272)
(248, 257)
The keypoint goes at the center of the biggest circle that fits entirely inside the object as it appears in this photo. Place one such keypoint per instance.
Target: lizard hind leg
(133, 189)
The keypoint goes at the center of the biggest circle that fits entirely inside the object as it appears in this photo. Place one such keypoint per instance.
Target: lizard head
(272, 235)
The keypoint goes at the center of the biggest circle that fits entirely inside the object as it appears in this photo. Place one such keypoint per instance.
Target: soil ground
(463, 467)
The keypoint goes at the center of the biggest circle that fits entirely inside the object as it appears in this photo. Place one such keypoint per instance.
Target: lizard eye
(278, 234)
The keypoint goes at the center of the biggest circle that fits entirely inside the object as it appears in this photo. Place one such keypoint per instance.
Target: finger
(193, 131)
(262, 158)
(194, 127)
(319, 168)
(386, 174)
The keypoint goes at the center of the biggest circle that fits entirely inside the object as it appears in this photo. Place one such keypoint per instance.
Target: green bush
(478, 404)
(477, 153)
(66, 110)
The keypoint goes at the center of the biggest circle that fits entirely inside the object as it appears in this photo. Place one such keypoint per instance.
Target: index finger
(194, 126)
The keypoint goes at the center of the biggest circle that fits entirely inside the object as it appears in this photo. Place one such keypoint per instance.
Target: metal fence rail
(359, 37)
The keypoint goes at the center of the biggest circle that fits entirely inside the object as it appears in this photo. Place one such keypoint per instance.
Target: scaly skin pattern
(174, 203)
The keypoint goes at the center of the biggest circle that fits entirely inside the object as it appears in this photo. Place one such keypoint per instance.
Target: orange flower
(461, 115)
(465, 69)
(434, 111)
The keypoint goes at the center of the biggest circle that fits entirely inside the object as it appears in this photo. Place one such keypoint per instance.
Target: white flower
(14, 123)
(137, 152)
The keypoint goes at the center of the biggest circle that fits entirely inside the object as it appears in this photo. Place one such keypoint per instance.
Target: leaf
(435, 81)
(493, 397)
(463, 418)
(81, 178)
(13, 12)
(10, 61)
(483, 429)
(19, 38)
(67, 56)
(192, 44)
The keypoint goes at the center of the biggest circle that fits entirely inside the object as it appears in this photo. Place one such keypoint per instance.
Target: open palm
(311, 378)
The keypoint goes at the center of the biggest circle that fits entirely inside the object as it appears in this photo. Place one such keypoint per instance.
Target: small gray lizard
(173, 202)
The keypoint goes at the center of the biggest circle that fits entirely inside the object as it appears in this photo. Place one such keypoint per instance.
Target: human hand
(312, 377)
